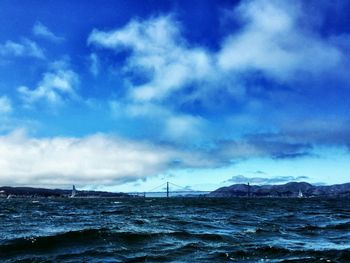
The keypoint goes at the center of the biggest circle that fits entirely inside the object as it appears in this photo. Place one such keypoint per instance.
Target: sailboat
(300, 194)
(73, 192)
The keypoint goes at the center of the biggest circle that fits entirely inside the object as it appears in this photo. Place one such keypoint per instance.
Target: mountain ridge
(290, 189)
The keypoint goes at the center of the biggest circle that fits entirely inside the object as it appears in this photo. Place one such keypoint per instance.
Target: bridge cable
(156, 187)
(184, 188)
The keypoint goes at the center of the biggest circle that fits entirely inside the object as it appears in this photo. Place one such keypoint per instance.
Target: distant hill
(285, 190)
(43, 192)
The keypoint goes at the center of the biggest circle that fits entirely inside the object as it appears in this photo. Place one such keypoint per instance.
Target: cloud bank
(98, 159)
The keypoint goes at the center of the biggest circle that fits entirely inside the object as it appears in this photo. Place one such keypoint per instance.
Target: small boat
(300, 194)
(73, 192)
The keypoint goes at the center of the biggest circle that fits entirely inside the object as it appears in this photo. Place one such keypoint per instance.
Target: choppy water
(174, 230)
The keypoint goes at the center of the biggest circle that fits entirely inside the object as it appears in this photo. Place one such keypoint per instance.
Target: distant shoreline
(288, 190)
(8, 191)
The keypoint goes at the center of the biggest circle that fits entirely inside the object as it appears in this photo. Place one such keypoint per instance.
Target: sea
(174, 230)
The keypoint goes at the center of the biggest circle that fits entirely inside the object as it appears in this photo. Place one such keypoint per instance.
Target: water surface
(174, 230)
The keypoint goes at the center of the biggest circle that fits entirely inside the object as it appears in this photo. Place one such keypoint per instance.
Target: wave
(282, 254)
(98, 243)
(104, 242)
(94, 237)
(49, 242)
(339, 226)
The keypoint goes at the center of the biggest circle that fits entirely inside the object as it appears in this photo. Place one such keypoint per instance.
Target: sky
(126, 95)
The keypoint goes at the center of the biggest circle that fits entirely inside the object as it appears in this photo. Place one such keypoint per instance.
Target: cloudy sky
(125, 95)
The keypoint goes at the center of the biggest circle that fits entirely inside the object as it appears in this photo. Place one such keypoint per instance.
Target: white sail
(73, 192)
(300, 195)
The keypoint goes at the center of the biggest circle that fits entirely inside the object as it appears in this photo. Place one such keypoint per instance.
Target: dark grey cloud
(238, 179)
(259, 172)
(334, 132)
(260, 145)
(295, 139)
(278, 147)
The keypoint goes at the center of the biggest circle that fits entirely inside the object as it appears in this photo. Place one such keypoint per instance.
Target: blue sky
(125, 95)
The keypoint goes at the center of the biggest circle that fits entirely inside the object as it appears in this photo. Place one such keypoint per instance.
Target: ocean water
(174, 230)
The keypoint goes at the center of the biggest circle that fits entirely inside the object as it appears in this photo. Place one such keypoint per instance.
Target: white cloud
(159, 50)
(98, 159)
(55, 87)
(183, 127)
(24, 48)
(272, 40)
(42, 31)
(94, 64)
(176, 127)
(5, 105)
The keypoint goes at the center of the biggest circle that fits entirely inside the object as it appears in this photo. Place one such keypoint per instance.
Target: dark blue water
(174, 230)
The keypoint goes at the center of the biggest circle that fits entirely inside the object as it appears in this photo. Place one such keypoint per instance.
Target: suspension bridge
(169, 189)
